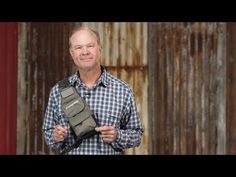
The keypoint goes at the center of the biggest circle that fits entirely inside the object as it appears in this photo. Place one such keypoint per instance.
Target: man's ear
(71, 52)
(100, 48)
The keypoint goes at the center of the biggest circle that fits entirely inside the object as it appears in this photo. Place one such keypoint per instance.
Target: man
(109, 98)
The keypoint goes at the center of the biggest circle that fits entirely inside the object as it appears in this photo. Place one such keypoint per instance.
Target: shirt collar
(103, 80)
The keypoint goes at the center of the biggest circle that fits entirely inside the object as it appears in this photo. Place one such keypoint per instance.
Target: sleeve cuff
(116, 143)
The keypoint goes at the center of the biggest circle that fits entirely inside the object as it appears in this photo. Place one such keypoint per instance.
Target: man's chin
(87, 68)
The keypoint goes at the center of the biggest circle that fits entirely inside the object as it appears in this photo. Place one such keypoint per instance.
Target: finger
(59, 135)
(108, 140)
(59, 138)
(62, 133)
(107, 136)
(61, 130)
(108, 133)
(104, 128)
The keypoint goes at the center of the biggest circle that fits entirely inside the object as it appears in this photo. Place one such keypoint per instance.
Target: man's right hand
(59, 133)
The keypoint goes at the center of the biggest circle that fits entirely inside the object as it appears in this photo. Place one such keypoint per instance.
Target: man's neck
(90, 77)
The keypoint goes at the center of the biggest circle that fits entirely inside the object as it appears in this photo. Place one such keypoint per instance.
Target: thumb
(97, 129)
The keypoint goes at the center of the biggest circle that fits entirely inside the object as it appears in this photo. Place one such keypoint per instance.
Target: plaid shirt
(112, 102)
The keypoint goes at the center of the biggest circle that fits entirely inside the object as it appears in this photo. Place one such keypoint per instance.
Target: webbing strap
(73, 146)
(63, 84)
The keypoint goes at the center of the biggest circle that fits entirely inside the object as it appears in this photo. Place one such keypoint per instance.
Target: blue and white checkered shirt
(112, 102)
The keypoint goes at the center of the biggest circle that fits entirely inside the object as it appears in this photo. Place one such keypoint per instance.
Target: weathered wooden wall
(187, 76)
(43, 59)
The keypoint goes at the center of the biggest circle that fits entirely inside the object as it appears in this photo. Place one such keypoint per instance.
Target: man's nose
(85, 50)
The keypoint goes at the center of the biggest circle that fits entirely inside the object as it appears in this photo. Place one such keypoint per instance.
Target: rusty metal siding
(8, 75)
(187, 88)
(44, 59)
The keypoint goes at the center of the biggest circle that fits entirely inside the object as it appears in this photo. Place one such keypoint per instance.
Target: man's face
(85, 50)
